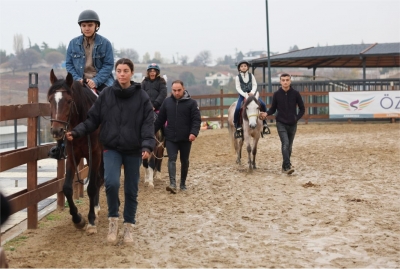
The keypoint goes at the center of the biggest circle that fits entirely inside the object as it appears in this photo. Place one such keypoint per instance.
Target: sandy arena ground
(341, 208)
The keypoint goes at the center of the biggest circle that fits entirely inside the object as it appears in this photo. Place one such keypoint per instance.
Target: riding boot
(172, 176)
(184, 172)
(239, 130)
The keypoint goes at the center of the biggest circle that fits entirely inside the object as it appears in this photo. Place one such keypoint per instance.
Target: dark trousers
(183, 147)
(239, 104)
(286, 134)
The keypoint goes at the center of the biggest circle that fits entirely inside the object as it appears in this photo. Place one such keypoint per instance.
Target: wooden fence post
(221, 107)
(60, 174)
(306, 114)
(31, 168)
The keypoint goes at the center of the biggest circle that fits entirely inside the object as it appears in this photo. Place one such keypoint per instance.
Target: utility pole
(269, 60)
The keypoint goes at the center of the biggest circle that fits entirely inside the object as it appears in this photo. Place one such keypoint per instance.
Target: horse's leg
(239, 155)
(92, 191)
(77, 219)
(255, 143)
(151, 171)
(146, 170)
(248, 147)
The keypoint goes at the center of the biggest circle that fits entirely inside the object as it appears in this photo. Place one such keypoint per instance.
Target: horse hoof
(81, 224)
(91, 229)
(149, 185)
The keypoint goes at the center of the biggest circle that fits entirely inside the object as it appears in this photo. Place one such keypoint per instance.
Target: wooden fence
(34, 193)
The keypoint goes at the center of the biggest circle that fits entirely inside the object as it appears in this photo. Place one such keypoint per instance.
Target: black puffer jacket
(126, 119)
(182, 116)
(156, 89)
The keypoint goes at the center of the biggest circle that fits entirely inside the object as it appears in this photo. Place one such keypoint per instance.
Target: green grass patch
(15, 242)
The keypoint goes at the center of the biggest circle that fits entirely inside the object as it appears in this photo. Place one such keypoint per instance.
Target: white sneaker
(128, 229)
(112, 236)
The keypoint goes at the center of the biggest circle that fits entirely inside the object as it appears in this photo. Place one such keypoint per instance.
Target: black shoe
(288, 170)
(171, 188)
(183, 188)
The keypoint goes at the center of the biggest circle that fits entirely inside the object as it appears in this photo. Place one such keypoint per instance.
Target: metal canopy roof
(341, 56)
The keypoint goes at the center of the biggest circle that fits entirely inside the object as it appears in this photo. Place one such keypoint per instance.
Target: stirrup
(266, 130)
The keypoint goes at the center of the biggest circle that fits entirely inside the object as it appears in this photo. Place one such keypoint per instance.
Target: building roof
(342, 56)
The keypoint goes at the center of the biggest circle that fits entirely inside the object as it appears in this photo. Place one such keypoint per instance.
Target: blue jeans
(286, 134)
(239, 104)
(113, 160)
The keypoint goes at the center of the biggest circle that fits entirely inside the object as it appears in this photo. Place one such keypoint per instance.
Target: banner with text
(366, 104)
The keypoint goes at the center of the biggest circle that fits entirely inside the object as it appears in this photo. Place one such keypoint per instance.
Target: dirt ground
(341, 208)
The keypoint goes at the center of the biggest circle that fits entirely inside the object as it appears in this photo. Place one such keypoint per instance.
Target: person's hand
(91, 83)
(192, 137)
(69, 136)
(145, 155)
(263, 115)
(251, 94)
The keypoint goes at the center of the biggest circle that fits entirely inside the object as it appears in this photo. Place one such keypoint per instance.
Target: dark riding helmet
(88, 15)
(243, 62)
(153, 66)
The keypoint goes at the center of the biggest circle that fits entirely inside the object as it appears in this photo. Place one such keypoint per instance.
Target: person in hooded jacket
(246, 85)
(155, 86)
(286, 100)
(125, 114)
(183, 118)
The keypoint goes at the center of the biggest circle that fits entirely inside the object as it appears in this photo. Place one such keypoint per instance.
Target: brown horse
(152, 165)
(69, 104)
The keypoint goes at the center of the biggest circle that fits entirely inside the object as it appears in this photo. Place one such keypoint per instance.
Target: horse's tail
(231, 127)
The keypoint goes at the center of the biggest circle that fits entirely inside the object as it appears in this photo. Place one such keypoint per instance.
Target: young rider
(90, 60)
(155, 86)
(246, 86)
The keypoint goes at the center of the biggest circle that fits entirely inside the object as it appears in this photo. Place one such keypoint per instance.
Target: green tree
(187, 78)
(146, 58)
(239, 56)
(54, 57)
(3, 56)
(294, 48)
(62, 48)
(184, 59)
(29, 57)
(36, 47)
(13, 63)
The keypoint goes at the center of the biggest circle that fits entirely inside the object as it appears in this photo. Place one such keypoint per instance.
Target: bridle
(66, 123)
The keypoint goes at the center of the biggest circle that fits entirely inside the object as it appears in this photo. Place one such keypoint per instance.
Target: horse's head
(251, 110)
(61, 104)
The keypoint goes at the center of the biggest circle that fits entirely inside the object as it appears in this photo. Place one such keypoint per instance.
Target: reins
(67, 123)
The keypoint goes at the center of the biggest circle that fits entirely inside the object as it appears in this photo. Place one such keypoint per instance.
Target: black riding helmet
(89, 15)
(243, 62)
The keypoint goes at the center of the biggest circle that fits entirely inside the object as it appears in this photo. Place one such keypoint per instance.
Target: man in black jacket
(286, 100)
(183, 119)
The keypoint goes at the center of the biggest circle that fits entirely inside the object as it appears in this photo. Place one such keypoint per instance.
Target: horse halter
(66, 123)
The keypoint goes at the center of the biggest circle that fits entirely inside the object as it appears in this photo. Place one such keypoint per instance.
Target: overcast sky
(186, 27)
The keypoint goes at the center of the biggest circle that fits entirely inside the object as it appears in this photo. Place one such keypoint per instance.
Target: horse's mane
(248, 101)
(82, 96)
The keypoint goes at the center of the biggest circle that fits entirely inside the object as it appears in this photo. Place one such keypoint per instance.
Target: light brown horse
(252, 127)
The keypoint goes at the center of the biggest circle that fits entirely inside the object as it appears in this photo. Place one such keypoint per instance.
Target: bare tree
(184, 59)
(203, 58)
(146, 58)
(18, 44)
(130, 54)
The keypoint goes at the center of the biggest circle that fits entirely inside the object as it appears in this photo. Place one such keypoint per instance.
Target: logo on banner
(355, 105)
